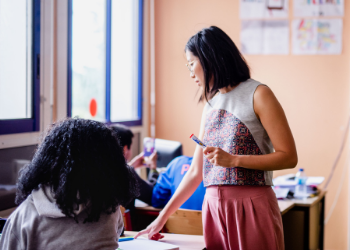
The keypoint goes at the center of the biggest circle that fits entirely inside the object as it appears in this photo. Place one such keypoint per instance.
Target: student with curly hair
(69, 195)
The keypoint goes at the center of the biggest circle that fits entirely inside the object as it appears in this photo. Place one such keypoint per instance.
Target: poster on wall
(267, 37)
(251, 37)
(317, 36)
(256, 9)
(314, 8)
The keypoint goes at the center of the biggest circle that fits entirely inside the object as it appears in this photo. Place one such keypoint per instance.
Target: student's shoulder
(24, 212)
(19, 217)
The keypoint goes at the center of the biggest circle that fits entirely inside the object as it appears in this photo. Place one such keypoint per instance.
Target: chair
(185, 221)
(126, 218)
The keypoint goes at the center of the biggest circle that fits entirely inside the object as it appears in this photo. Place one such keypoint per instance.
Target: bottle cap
(301, 169)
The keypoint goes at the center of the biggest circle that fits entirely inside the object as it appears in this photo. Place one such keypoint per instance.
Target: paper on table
(289, 180)
(281, 193)
(146, 244)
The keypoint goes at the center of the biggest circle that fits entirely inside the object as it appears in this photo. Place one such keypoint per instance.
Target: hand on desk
(141, 161)
(153, 230)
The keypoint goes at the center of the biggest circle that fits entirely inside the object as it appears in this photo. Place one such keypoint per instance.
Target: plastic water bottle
(300, 188)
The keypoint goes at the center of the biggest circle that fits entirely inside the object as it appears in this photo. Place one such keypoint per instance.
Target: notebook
(146, 244)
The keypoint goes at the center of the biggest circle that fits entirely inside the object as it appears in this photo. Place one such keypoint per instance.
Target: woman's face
(197, 73)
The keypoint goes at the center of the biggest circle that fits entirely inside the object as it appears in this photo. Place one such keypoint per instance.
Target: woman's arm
(188, 185)
(269, 111)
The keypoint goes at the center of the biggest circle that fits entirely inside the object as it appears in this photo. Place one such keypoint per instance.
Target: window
(105, 60)
(19, 66)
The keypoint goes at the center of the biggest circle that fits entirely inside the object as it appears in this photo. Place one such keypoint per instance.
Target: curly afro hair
(83, 163)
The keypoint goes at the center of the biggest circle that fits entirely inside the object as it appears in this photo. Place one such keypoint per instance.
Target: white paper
(276, 37)
(265, 37)
(252, 37)
(285, 180)
(139, 203)
(281, 193)
(317, 36)
(263, 9)
(315, 8)
(289, 180)
(304, 37)
(314, 180)
(146, 244)
(330, 36)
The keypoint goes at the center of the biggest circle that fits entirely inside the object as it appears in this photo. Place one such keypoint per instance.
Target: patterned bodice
(224, 130)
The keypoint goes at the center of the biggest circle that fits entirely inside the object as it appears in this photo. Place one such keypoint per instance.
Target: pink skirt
(242, 217)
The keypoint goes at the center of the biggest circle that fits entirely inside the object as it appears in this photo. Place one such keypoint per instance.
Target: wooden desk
(285, 206)
(149, 209)
(185, 242)
(303, 222)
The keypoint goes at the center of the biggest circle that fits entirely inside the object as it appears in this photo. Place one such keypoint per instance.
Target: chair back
(126, 218)
(185, 221)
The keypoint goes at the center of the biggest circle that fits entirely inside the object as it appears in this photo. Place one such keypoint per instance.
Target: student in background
(125, 135)
(169, 181)
(247, 137)
(159, 194)
(69, 195)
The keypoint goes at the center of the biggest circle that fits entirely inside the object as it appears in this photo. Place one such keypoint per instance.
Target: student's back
(69, 195)
(169, 181)
(28, 229)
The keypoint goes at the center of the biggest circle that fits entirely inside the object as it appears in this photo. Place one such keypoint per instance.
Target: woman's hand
(153, 229)
(219, 157)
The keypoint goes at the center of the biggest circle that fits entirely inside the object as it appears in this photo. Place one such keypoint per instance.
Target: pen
(125, 239)
(201, 144)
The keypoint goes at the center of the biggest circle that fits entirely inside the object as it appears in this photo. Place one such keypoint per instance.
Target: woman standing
(247, 137)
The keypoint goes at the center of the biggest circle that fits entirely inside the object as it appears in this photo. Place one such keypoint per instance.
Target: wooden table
(185, 242)
(285, 206)
(303, 222)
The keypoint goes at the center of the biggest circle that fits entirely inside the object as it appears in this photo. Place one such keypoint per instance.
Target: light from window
(124, 60)
(89, 59)
(16, 85)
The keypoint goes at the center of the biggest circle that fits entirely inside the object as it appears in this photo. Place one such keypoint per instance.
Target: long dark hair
(220, 58)
(83, 163)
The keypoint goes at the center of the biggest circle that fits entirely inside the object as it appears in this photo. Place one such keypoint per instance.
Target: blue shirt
(168, 182)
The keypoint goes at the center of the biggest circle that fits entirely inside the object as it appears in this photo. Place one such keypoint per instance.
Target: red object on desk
(157, 236)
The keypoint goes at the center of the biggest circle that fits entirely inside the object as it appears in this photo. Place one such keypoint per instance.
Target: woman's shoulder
(251, 84)
(262, 91)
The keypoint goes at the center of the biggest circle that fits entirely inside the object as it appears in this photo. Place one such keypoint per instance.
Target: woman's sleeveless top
(231, 124)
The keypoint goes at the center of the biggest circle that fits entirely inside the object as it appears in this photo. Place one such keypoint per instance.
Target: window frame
(108, 63)
(14, 126)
